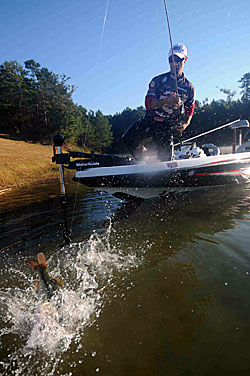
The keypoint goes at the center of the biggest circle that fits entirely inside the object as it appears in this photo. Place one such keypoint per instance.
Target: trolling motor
(60, 159)
(238, 126)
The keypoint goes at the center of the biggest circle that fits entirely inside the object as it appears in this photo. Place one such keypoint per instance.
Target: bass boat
(190, 167)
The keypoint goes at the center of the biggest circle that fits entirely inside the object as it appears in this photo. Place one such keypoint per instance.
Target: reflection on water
(156, 288)
(33, 216)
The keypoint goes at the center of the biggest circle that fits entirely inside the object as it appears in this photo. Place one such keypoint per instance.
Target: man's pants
(159, 131)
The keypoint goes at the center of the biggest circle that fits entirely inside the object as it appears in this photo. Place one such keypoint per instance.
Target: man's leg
(134, 136)
(162, 138)
(164, 151)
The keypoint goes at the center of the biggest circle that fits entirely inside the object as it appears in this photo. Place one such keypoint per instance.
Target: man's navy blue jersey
(163, 85)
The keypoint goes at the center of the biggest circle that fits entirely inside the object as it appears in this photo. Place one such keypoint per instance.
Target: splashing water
(35, 335)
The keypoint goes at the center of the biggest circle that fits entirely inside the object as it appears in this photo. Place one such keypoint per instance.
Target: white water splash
(87, 269)
(47, 333)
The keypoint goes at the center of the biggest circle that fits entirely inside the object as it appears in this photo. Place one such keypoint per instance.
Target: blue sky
(65, 37)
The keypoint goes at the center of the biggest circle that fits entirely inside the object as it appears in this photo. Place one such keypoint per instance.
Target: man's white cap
(179, 49)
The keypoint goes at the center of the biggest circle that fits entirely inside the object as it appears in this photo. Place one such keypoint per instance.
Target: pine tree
(245, 86)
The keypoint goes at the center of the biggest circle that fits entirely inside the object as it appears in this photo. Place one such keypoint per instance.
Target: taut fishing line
(86, 134)
(103, 27)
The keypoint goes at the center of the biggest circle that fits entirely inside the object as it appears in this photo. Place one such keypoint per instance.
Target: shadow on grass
(16, 138)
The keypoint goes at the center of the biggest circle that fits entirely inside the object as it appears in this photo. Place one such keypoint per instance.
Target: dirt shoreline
(24, 163)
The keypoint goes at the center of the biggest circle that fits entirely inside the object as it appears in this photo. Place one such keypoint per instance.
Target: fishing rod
(175, 78)
(171, 44)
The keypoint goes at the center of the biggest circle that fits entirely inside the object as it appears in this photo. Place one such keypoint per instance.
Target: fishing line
(74, 207)
(103, 27)
(78, 183)
(87, 128)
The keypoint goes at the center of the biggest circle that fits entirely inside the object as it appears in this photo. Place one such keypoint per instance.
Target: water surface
(160, 288)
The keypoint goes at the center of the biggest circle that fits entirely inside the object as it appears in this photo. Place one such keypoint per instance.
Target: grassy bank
(23, 163)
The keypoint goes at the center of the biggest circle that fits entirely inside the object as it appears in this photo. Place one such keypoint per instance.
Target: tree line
(36, 103)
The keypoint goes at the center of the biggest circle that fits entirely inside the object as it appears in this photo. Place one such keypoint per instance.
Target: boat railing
(234, 125)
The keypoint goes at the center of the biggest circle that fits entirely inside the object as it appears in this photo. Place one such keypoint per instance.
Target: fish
(45, 286)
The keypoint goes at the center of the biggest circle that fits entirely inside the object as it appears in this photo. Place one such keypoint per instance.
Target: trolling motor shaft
(58, 141)
(59, 158)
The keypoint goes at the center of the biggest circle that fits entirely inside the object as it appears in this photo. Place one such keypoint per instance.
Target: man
(163, 108)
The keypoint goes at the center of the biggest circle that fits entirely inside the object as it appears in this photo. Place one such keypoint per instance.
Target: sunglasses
(177, 59)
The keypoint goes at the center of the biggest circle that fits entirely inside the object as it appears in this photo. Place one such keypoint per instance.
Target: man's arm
(189, 111)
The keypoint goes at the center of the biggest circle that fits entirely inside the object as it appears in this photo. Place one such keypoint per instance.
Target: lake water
(160, 288)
